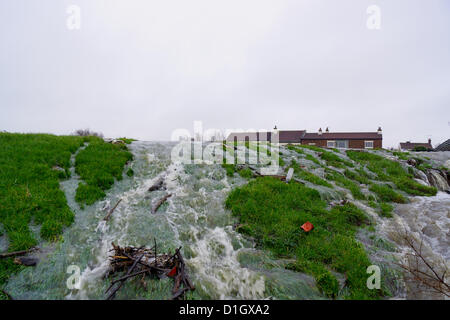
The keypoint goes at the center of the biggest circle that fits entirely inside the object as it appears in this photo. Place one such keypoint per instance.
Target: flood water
(221, 263)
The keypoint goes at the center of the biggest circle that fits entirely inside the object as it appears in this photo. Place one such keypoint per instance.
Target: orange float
(307, 226)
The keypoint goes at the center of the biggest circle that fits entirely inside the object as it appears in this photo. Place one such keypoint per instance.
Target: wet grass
(357, 176)
(313, 148)
(334, 160)
(388, 170)
(127, 140)
(31, 166)
(311, 158)
(99, 164)
(401, 155)
(342, 181)
(308, 176)
(229, 168)
(29, 185)
(387, 194)
(272, 212)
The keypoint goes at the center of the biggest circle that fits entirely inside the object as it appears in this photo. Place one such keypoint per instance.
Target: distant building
(445, 146)
(408, 145)
(327, 139)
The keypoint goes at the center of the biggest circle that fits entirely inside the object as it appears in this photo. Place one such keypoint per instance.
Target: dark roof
(288, 136)
(284, 136)
(344, 136)
(444, 146)
(411, 145)
(252, 136)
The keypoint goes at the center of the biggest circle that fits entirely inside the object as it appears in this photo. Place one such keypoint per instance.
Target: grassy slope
(29, 184)
(388, 170)
(98, 165)
(272, 212)
(29, 188)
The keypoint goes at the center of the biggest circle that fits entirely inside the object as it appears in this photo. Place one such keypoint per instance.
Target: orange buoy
(307, 226)
(172, 272)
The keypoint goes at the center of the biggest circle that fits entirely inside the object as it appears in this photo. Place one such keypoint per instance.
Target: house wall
(352, 144)
(318, 143)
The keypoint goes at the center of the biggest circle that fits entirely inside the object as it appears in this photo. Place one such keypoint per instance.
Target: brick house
(408, 145)
(327, 139)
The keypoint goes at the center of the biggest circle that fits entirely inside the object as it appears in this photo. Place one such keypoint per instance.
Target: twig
(106, 218)
(130, 276)
(434, 281)
(179, 293)
(160, 202)
(112, 294)
(17, 253)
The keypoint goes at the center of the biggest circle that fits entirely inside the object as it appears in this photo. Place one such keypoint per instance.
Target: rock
(119, 142)
(431, 230)
(412, 162)
(26, 261)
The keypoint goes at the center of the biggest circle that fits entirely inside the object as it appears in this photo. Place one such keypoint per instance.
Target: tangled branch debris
(422, 270)
(143, 261)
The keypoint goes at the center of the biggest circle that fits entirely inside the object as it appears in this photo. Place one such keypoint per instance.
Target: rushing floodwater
(221, 263)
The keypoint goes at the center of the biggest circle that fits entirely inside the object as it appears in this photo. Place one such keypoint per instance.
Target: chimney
(275, 130)
(429, 141)
(320, 132)
(379, 130)
(327, 131)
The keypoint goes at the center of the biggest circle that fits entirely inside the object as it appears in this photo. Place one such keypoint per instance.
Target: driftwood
(106, 218)
(160, 202)
(157, 185)
(147, 262)
(26, 261)
(121, 282)
(17, 253)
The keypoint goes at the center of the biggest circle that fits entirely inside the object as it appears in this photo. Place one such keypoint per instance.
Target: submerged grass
(99, 164)
(272, 212)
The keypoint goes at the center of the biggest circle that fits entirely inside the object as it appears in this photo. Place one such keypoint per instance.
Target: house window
(331, 144)
(312, 144)
(368, 144)
(342, 144)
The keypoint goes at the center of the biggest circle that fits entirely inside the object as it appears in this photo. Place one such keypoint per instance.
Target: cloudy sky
(145, 68)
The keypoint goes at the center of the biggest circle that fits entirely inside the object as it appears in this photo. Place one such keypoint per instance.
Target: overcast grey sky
(145, 68)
